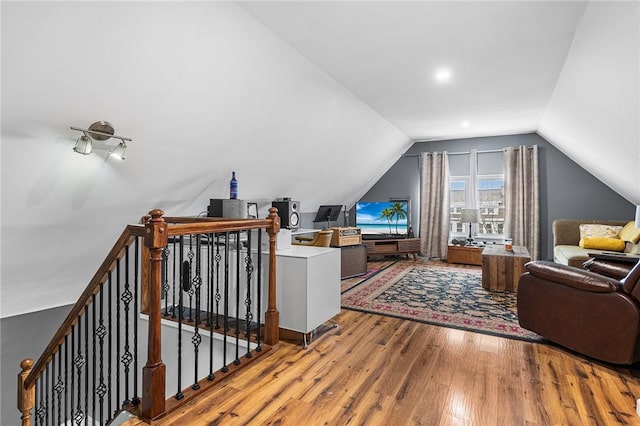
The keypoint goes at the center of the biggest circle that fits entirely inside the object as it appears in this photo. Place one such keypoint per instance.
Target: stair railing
(60, 388)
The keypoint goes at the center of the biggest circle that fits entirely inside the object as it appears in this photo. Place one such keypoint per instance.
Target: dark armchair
(587, 312)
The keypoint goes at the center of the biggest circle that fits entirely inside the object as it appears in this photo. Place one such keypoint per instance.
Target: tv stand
(390, 247)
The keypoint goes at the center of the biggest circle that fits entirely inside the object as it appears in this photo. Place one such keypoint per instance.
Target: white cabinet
(308, 286)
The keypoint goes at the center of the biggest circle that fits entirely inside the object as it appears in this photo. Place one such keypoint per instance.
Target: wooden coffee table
(501, 269)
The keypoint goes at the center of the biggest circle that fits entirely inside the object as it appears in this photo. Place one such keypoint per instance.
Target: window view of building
(477, 182)
(490, 201)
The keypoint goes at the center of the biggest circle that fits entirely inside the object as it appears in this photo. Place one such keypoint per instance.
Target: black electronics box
(215, 207)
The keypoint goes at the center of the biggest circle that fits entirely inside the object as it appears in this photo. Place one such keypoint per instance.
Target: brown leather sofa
(608, 268)
(592, 314)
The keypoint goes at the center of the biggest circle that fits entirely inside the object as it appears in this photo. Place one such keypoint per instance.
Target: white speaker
(289, 212)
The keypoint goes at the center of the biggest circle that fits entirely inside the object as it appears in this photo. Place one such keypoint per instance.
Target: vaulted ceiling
(504, 58)
(565, 69)
(312, 100)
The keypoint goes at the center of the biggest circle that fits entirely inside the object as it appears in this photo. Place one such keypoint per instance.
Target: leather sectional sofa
(592, 314)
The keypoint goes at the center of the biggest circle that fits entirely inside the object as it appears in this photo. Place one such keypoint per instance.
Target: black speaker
(215, 207)
(289, 212)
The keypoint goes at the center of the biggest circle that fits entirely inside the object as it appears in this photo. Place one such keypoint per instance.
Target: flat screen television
(384, 217)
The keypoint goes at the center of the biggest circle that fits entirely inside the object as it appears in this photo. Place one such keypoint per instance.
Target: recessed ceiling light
(464, 123)
(443, 75)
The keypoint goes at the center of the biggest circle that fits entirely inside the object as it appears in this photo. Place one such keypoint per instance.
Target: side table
(353, 261)
(467, 255)
(501, 269)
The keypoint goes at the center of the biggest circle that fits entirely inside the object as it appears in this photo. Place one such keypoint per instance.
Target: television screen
(383, 217)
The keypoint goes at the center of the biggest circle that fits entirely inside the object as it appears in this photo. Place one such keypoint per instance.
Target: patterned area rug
(432, 293)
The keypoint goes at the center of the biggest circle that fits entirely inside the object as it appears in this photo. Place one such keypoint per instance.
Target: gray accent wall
(24, 336)
(567, 191)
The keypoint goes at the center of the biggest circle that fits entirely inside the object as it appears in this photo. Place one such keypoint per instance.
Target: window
(477, 182)
(490, 201)
(457, 199)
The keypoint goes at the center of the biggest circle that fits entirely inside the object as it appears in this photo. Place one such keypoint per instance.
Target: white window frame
(472, 197)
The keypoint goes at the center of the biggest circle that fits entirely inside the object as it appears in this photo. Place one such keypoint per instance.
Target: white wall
(202, 88)
(593, 115)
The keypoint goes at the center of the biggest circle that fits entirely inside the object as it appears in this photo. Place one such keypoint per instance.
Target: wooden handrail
(155, 230)
(127, 236)
(212, 227)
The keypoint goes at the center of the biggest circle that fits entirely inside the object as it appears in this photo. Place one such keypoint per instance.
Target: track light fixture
(83, 145)
(99, 131)
(118, 151)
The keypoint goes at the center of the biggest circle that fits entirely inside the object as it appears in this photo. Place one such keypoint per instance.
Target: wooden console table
(467, 255)
(501, 269)
(388, 247)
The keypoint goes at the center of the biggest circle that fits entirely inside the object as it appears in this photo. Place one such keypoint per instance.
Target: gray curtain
(434, 204)
(522, 200)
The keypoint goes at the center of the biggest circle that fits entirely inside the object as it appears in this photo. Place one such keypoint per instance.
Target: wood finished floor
(375, 370)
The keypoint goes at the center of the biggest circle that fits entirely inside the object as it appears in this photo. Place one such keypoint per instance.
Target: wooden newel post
(272, 316)
(153, 374)
(26, 397)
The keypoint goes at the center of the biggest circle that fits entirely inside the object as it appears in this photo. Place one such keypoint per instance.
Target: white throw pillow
(596, 230)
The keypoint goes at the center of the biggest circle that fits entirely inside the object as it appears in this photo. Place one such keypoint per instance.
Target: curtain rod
(486, 151)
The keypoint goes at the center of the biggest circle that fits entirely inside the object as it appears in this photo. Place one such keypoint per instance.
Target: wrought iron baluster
(127, 296)
(78, 362)
(165, 278)
(247, 302)
(101, 331)
(210, 256)
(197, 279)
(209, 279)
(259, 292)
(52, 389)
(136, 271)
(218, 296)
(86, 373)
(73, 382)
(110, 347)
(66, 378)
(118, 335)
(237, 284)
(197, 339)
(225, 320)
(48, 402)
(173, 283)
(37, 403)
(184, 276)
(93, 357)
(190, 291)
(59, 386)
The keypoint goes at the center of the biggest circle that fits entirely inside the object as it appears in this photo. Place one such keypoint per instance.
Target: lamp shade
(470, 216)
(118, 151)
(83, 145)
(637, 216)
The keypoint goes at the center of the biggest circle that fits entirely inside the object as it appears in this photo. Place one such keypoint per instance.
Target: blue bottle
(233, 187)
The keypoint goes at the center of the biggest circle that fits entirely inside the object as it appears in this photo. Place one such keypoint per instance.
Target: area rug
(349, 283)
(433, 293)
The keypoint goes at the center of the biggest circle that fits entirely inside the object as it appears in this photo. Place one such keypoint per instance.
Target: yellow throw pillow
(602, 243)
(630, 233)
(598, 230)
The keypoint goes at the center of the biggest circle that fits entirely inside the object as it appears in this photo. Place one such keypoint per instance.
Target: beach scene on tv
(382, 217)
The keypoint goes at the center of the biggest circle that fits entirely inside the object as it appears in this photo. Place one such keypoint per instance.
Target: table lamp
(470, 216)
